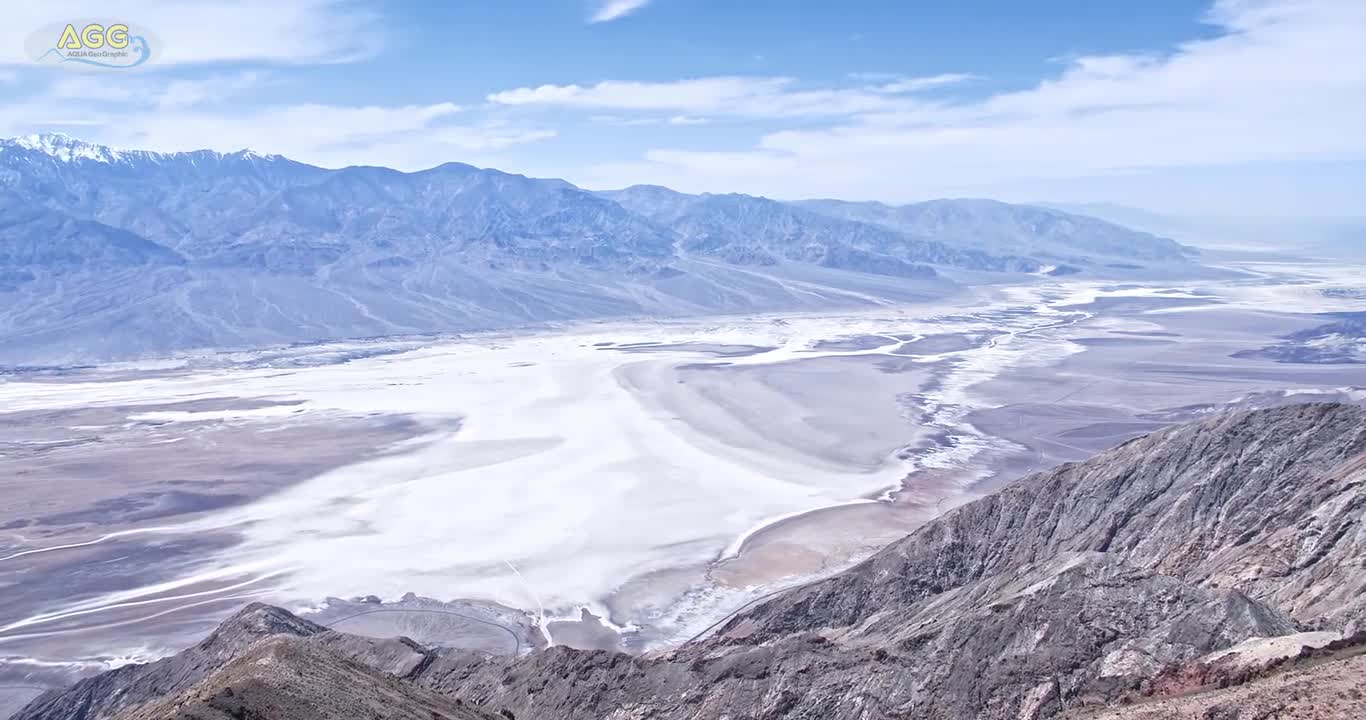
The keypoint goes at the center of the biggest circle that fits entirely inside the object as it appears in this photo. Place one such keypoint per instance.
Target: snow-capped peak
(66, 148)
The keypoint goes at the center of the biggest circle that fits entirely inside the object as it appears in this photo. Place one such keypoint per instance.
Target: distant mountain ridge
(743, 228)
(997, 227)
(108, 253)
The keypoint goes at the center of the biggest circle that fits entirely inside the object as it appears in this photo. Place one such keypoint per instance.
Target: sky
(1244, 108)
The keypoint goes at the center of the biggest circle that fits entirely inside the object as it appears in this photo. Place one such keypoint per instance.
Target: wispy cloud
(616, 9)
(217, 88)
(148, 90)
(901, 84)
(208, 89)
(750, 96)
(135, 114)
(647, 121)
(1270, 87)
(213, 31)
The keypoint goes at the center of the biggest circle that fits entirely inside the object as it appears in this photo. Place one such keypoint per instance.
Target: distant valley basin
(611, 484)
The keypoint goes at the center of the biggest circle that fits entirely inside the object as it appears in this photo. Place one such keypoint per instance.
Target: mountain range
(1211, 570)
(108, 253)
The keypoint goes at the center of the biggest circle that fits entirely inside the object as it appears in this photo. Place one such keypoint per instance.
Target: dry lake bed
(621, 484)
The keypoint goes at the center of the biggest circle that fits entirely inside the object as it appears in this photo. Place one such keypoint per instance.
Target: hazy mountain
(1045, 234)
(35, 238)
(109, 253)
(269, 213)
(1341, 238)
(1183, 569)
(756, 230)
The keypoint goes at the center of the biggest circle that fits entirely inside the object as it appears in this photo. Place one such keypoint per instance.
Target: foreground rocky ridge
(1313, 684)
(288, 677)
(1067, 592)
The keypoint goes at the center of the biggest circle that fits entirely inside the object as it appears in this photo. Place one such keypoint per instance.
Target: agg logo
(91, 45)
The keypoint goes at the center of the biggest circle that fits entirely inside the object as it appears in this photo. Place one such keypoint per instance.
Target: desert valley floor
(615, 484)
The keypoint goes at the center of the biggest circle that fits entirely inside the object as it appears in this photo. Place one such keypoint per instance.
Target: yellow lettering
(117, 36)
(93, 36)
(70, 40)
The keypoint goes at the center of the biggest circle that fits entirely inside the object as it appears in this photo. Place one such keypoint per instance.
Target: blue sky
(1236, 107)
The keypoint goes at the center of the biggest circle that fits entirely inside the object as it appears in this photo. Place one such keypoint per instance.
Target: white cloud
(896, 83)
(619, 121)
(428, 146)
(218, 88)
(614, 9)
(298, 31)
(309, 132)
(1278, 84)
(488, 137)
(143, 89)
(202, 106)
(407, 137)
(647, 121)
(69, 122)
(773, 97)
(95, 88)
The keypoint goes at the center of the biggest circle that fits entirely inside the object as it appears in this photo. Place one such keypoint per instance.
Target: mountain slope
(1313, 685)
(1045, 234)
(262, 662)
(1266, 503)
(1068, 590)
(287, 677)
(1070, 586)
(756, 230)
(37, 240)
(129, 686)
(109, 253)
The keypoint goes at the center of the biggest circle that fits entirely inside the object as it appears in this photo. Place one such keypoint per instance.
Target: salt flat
(658, 474)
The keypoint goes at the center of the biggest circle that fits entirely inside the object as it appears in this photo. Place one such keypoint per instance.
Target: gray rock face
(1072, 587)
(1065, 587)
(1267, 503)
(288, 677)
(1308, 676)
(107, 694)
(1081, 625)
(263, 657)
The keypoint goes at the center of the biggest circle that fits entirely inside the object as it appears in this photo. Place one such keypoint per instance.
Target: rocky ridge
(1071, 591)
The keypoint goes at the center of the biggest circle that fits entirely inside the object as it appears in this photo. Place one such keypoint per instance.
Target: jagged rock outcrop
(288, 677)
(1068, 591)
(108, 693)
(1011, 647)
(263, 662)
(1067, 587)
(1268, 503)
(1315, 683)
